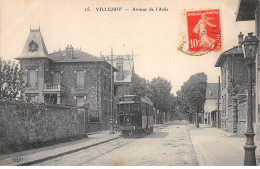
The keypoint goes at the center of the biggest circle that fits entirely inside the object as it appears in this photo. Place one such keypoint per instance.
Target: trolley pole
(111, 131)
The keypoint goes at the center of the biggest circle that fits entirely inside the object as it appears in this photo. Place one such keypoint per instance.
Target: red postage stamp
(204, 30)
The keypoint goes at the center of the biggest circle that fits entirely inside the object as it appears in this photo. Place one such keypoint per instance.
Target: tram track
(89, 154)
(56, 158)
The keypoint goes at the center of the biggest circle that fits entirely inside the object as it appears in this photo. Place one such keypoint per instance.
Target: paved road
(168, 145)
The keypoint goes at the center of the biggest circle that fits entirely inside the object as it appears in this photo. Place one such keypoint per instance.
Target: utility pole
(111, 59)
(111, 131)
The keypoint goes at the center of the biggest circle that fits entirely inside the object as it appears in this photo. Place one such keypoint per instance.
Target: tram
(135, 115)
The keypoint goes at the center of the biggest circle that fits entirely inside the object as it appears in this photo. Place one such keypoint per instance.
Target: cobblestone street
(168, 145)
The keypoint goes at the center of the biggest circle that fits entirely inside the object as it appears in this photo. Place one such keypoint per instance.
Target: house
(69, 77)
(250, 10)
(211, 105)
(233, 88)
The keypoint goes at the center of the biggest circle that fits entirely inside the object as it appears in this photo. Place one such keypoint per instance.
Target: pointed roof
(34, 46)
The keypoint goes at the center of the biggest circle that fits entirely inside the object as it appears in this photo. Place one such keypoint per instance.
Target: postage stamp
(203, 32)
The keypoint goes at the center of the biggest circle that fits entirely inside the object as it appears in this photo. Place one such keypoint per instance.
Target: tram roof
(146, 100)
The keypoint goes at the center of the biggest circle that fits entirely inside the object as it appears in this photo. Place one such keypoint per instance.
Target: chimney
(240, 40)
(69, 51)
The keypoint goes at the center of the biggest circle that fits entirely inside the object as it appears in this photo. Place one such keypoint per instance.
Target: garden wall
(29, 125)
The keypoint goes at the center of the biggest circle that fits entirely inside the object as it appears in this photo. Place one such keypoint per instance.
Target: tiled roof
(35, 36)
(223, 56)
(78, 56)
(212, 91)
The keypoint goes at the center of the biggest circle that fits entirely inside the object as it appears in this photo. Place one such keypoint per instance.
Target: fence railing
(52, 87)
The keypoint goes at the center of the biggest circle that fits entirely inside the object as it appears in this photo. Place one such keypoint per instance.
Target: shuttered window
(80, 79)
(56, 78)
(32, 78)
(80, 100)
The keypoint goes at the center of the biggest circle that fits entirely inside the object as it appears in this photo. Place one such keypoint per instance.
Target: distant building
(250, 10)
(123, 77)
(233, 87)
(211, 105)
(70, 77)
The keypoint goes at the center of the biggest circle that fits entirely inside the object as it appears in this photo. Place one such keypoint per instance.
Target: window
(124, 108)
(56, 78)
(94, 116)
(80, 101)
(115, 91)
(80, 79)
(106, 82)
(135, 107)
(32, 78)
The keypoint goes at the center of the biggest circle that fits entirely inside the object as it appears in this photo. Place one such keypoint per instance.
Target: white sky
(152, 35)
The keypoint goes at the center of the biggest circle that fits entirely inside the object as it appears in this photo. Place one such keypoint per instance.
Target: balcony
(53, 88)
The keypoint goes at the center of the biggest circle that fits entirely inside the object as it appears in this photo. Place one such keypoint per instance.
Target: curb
(65, 153)
(75, 150)
(198, 154)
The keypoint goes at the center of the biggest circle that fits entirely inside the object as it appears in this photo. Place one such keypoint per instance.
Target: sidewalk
(44, 153)
(36, 155)
(216, 147)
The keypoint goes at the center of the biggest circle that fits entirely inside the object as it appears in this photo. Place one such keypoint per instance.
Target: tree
(194, 93)
(140, 86)
(182, 107)
(161, 93)
(11, 80)
(172, 106)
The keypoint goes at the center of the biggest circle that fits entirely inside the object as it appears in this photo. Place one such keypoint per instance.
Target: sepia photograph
(129, 83)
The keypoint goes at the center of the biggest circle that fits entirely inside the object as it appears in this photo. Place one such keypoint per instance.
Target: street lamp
(249, 46)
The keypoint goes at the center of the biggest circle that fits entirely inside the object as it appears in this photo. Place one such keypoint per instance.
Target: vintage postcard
(129, 83)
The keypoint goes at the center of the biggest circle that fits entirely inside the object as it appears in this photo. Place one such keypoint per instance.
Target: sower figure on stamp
(201, 28)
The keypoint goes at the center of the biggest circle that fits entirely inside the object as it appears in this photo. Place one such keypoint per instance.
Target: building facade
(233, 88)
(123, 77)
(250, 10)
(211, 105)
(70, 77)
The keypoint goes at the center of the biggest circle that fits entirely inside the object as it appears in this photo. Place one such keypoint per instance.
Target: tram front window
(135, 107)
(123, 108)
